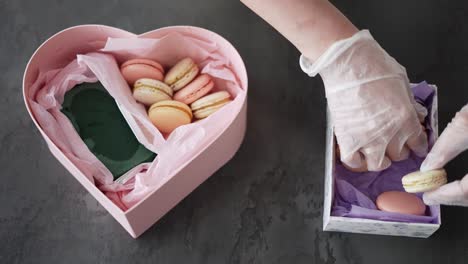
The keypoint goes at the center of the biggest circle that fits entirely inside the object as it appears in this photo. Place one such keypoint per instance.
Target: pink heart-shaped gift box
(62, 48)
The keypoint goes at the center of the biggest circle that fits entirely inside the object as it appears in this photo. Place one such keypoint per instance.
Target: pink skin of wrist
(310, 25)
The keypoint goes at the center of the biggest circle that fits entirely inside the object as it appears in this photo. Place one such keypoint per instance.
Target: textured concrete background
(265, 206)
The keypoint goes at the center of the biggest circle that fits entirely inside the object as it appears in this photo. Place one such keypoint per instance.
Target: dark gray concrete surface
(265, 206)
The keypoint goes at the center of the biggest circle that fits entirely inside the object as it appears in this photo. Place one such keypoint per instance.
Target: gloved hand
(452, 142)
(371, 105)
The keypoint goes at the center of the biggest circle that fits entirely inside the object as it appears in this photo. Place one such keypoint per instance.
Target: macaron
(181, 74)
(209, 104)
(400, 202)
(199, 87)
(150, 91)
(135, 69)
(419, 181)
(169, 115)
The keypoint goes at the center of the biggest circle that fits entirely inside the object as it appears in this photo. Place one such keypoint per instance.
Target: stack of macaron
(176, 97)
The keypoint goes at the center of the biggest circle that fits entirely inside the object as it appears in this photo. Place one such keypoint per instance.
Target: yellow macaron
(150, 91)
(181, 74)
(419, 181)
(209, 104)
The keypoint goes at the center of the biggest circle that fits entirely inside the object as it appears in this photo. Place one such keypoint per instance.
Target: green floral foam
(99, 122)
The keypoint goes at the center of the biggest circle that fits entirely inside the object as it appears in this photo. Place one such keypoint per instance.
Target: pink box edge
(121, 216)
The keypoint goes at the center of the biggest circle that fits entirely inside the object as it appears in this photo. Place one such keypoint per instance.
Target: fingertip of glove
(428, 199)
(383, 165)
(430, 163)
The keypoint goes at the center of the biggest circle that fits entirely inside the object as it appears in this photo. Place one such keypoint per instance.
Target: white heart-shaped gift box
(62, 48)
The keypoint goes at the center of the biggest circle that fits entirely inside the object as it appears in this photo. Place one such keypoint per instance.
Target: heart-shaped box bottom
(62, 48)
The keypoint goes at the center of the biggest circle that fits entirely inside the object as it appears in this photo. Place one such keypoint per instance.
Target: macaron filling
(434, 180)
(184, 79)
(196, 92)
(189, 113)
(214, 105)
(182, 73)
(147, 86)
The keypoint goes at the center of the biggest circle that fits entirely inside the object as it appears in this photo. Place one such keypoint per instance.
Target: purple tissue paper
(355, 193)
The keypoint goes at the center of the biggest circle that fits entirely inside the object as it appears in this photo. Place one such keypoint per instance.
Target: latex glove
(371, 106)
(452, 142)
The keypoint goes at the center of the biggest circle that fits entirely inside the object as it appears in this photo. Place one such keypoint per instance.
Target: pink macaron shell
(195, 90)
(144, 61)
(139, 68)
(400, 202)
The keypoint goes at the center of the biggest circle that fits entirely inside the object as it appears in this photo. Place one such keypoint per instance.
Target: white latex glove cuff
(331, 54)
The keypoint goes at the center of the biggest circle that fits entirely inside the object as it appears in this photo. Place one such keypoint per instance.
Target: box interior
(331, 169)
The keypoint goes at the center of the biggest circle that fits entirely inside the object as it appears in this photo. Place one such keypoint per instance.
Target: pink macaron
(400, 202)
(135, 69)
(195, 90)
